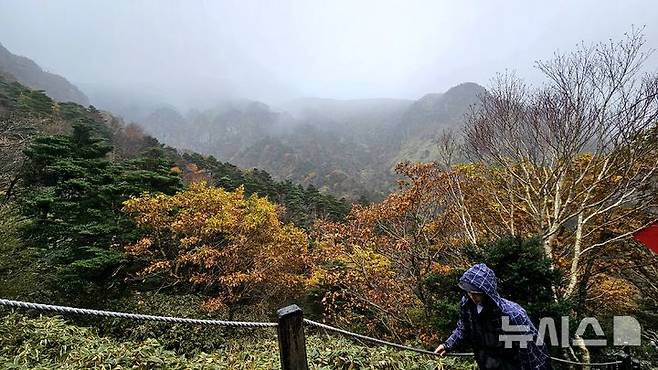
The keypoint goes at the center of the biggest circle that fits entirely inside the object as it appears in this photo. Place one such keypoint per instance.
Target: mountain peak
(466, 88)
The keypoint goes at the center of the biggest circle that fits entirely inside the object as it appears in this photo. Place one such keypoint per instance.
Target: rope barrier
(133, 316)
(589, 364)
(400, 346)
(244, 324)
(379, 341)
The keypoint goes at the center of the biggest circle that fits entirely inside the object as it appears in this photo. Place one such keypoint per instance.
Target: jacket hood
(483, 279)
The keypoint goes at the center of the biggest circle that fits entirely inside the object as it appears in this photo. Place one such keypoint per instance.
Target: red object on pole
(648, 236)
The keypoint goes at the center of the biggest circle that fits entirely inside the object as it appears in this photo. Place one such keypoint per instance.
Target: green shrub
(444, 300)
(50, 343)
(338, 353)
(524, 274)
(20, 275)
(180, 338)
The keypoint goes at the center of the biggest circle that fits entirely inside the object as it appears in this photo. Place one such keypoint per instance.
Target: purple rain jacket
(482, 331)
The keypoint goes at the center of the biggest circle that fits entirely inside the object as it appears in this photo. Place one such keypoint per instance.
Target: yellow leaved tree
(230, 247)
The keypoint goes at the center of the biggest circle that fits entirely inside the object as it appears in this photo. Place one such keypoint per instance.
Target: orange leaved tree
(229, 247)
(372, 269)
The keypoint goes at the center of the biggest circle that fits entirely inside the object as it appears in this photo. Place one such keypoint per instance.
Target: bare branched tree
(14, 137)
(16, 132)
(449, 147)
(577, 151)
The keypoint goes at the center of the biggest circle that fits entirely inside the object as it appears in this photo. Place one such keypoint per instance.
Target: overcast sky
(276, 50)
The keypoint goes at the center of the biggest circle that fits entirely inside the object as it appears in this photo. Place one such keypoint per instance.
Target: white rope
(586, 364)
(400, 346)
(379, 341)
(133, 316)
(243, 324)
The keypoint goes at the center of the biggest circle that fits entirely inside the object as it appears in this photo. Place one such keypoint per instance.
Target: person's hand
(440, 350)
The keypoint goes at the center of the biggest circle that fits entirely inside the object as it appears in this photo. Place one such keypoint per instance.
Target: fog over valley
(330, 94)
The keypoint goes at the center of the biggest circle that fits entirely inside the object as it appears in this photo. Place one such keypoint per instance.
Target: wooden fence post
(292, 344)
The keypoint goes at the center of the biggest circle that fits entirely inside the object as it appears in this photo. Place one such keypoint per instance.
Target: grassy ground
(52, 343)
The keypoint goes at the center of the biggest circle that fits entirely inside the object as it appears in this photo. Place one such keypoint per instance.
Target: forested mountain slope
(26, 115)
(28, 73)
(344, 147)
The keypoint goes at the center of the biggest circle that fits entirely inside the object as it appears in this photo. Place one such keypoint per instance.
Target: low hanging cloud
(194, 52)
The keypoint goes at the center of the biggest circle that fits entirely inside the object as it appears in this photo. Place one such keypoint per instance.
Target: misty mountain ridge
(347, 147)
(28, 73)
(446, 108)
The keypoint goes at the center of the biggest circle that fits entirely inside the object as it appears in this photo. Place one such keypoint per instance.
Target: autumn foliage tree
(227, 246)
(372, 268)
(573, 161)
(392, 266)
(576, 154)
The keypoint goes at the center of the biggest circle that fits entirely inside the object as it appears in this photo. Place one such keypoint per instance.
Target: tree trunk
(548, 251)
(585, 357)
(575, 262)
(10, 189)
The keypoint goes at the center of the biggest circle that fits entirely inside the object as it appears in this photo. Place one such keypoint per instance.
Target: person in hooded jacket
(480, 326)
